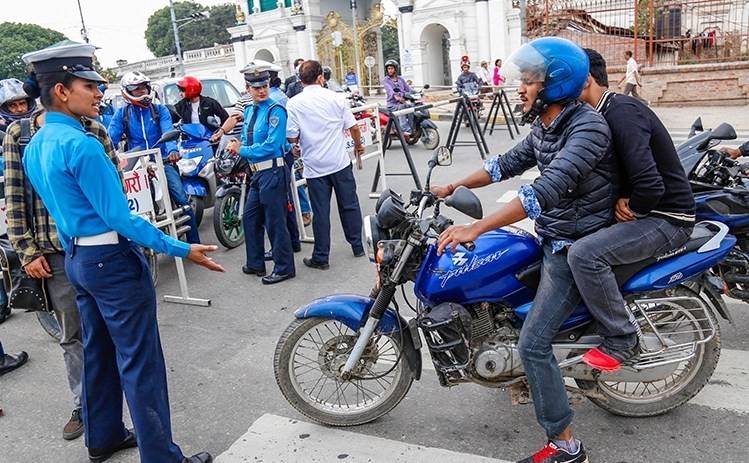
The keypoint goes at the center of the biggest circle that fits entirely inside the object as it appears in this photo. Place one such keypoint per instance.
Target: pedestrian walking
(77, 183)
(632, 78)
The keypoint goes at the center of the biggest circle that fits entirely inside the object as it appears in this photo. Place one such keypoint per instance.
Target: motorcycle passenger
(655, 214)
(141, 122)
(34, 237)
(14, 102)
(395, 99)
(196, 108)
(114, 291)
(574, 196)
(263, 143)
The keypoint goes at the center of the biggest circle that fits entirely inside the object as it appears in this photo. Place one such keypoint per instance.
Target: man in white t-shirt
(633, 78)
(317, 120)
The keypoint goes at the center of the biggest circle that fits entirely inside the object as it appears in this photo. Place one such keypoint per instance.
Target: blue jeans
(177, 193)
(320, 192)
(405, 121)
(555, 300)
(623, 243)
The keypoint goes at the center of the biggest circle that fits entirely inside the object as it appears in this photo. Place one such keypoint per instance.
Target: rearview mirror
(169, 136)
(466, 201)
(441, 157)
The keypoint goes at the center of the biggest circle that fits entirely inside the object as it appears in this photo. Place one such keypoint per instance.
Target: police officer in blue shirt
(263, 142)
(82, 191)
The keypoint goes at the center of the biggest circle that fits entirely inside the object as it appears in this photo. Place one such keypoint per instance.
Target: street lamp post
(175, 28)
(356, 43)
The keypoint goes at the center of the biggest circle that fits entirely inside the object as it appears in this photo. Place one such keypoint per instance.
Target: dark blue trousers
(320, 193)
(122, 349)
(266, 210)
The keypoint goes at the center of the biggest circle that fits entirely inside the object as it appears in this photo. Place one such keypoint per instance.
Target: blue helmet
(560, 64)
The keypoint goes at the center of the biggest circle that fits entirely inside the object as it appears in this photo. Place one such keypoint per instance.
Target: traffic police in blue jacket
(263, 142)
(82, 191)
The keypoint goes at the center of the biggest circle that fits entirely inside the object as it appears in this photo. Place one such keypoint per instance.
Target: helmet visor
(526, 65)
(134, 87)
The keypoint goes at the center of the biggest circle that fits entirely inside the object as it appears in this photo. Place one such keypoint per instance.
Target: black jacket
(652, 176)
(578, 185)
(208, 107)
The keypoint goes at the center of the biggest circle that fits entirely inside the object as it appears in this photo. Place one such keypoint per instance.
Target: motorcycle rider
(467, 77)
(33, 234)
(655, 214)
(574, 196)
(330, 83)
(195, 107)
(14, 102)
(736, 153)
(395, 100)
(141, 122)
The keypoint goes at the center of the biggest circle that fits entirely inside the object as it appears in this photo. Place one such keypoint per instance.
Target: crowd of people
(600, 152)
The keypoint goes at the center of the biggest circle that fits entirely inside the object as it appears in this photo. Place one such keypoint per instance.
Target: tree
(17, 39)
(203, 33)
(390, 46)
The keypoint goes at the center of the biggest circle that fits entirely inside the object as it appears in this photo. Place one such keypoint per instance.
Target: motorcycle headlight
(186, 166)
(391, 213)
(372, 235)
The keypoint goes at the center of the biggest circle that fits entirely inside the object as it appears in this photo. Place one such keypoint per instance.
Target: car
(219, 89)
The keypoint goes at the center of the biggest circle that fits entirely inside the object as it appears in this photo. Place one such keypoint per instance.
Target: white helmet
(130, 82)
(12, 90)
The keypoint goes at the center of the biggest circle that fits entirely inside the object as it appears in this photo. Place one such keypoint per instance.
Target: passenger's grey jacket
(578, 185)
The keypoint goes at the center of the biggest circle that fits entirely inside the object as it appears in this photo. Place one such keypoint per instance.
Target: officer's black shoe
(268, 255)
(202, 457)
(359, 253)
(296, 247)
(251, 271)
(274, 278)
(5, 310)
(311, 263)
(103, 454)
(11, 362)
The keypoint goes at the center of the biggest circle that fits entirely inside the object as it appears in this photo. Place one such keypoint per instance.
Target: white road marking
(283, 440)
(508, 196)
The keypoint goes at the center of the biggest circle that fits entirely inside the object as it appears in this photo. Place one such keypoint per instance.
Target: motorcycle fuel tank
(485, 274)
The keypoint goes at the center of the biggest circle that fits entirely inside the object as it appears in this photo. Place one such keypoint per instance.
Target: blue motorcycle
(720, 184)
(348, 359)
(196, 167)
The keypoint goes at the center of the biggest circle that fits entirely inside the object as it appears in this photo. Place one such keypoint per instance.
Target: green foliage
(390, 47)
(17, 39)
(193, 36)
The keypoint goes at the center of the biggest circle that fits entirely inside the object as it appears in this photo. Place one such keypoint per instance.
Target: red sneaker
(608, 360)
(553, 454)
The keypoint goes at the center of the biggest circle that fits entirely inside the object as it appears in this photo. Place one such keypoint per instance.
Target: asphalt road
(219, 361)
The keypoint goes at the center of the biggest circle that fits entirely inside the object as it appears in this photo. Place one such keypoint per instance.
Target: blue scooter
(349, 359)
(196, 167)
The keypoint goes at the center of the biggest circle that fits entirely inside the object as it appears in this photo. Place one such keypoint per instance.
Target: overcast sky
(116, 27)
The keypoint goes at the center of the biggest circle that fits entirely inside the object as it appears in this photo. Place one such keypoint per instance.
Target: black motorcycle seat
(531, 276)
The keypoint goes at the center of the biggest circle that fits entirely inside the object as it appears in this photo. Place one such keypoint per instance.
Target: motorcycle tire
(414, 138)
(227, 222)
(198, 207)
(430, 138)
(50, 324)
(644, 399)
(311, 352)
(386, 140)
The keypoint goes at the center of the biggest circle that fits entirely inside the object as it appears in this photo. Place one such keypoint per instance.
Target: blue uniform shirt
(269, 134)
(81, 189)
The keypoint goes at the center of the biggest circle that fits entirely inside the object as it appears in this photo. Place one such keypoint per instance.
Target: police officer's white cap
(66, 56)
(260, 65)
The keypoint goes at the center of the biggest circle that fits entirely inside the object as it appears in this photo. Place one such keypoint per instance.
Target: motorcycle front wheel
(307, 362)
(227, 222)
(49, 323)
(641, 399)
(198, 207)
(430, 138)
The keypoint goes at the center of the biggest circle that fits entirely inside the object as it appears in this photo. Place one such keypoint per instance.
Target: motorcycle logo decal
(675, 277)
(458, 259)
(673, 253)
(475, 263)
(273, 121)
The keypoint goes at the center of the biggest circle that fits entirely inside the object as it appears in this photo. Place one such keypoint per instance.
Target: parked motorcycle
(349, 359)
(721, 195)
(196, 167)
(422, 127)
(233, 172)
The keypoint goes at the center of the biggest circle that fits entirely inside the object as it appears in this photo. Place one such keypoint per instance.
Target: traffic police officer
(82, 191)
(263, 142)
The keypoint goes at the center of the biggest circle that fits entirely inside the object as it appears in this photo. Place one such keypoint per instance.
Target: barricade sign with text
(138, 190)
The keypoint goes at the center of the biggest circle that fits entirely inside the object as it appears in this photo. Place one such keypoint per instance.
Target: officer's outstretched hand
(197, 256)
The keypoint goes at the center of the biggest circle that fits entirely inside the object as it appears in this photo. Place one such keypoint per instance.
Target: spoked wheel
(430, 138)
(49, 323)
(307, 362)
(686, 378)
(227, 222)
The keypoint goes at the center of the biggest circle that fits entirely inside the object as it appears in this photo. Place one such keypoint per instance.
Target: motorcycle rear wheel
(642, 399)
(431, 138)
(50, 324)
(227, 222)
(306, 363)
(198, 207)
